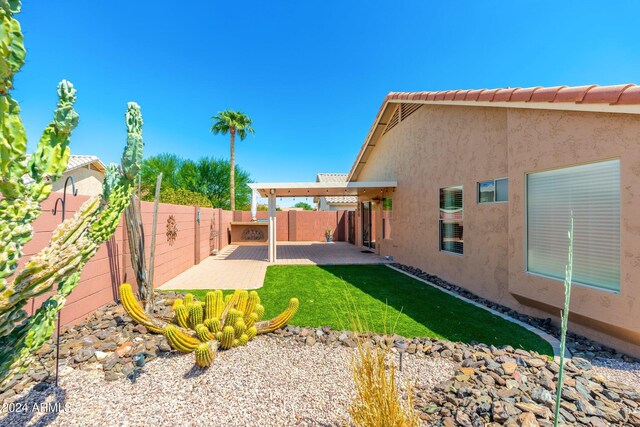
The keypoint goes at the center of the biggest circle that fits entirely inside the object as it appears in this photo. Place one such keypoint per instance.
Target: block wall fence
(200, 232)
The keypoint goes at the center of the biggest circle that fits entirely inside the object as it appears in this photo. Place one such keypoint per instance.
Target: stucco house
(487, 181)
(335, 203)
(87, 172)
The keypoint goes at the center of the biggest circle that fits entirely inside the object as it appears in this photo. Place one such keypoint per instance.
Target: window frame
(440, 220)
(526, 230)
(495, 192)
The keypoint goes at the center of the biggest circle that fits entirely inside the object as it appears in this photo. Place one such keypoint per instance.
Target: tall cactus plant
(74, 241)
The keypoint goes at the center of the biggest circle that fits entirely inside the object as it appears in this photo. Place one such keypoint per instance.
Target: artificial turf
(388, 301)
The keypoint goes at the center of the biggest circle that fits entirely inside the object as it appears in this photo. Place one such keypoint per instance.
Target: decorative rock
(124, 349)
(527, 419)
(84, 354)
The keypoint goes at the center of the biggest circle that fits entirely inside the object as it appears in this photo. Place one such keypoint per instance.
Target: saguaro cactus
(74, 241)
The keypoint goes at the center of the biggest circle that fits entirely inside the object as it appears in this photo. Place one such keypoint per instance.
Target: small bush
(377, 402)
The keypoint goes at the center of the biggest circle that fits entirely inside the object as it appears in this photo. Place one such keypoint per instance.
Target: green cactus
(179, 340)
(240, 328)
(251, 319)
(209, 306)
(203, 333)
(280, 320)
(252, 301)
(204, 355)
(176, 303)
(226, 342)
(188, 299)
(195, 315)
(218, 303)
(243, 296)
(213, 325)
(251, 332)
(243, 340)
(73, 242)
(232, 318)
(182, 316)
(259, 310)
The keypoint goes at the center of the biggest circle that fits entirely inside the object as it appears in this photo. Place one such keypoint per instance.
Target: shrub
(179, 196)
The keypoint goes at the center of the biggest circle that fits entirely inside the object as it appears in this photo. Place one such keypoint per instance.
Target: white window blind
(592, 192)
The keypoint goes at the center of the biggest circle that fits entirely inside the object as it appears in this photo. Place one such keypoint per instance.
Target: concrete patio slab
(244, 267)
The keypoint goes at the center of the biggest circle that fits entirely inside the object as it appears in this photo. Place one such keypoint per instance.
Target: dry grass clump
(378, 402)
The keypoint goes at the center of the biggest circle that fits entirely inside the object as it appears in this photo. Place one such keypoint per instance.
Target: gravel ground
(267, 383)
(619, 371)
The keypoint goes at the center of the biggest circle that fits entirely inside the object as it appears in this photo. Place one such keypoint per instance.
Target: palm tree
(232, 122)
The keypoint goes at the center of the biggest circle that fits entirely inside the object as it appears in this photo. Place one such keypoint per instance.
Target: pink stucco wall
(111, 266)
(196, 239)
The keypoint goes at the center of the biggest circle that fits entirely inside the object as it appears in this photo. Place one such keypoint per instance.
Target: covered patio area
(370, 190)
(244, 267)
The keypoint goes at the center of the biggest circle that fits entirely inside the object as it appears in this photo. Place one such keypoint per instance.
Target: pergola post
(272, 227)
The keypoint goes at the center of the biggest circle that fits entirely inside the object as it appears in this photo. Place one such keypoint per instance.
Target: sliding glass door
(368, 240)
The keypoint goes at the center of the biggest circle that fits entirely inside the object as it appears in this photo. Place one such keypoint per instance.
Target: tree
(232, 122)
(303, 205)
(168, 164)
(208, 176)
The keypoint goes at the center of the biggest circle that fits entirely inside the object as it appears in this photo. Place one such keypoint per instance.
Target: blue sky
(311, 74)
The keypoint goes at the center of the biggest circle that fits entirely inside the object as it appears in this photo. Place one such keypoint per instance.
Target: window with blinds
(592, 193)
(451, 220)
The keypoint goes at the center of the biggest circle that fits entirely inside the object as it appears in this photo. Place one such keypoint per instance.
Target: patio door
(351, 226)
(367, 236)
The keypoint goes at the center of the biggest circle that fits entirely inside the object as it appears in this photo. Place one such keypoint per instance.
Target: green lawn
(410, 307)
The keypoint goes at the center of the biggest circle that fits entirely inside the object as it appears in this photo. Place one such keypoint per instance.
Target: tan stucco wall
(540, 140)
(440, 146)
(88, 182)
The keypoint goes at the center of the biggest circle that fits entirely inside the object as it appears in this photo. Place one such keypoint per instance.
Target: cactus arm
(52, 154)
(179, 340)
(132, 306)
(280, 320)
(21, 204)
(13, 139)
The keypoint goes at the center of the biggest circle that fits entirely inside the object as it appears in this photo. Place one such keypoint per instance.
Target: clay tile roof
(523, 94)
(591, 94)
(604, 94)
(487, 94)
(545, 94)
(503, 95)
(626, 94)
(630, 95)
(572, 94)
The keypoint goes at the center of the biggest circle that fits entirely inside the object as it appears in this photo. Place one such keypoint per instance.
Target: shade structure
(271, 190)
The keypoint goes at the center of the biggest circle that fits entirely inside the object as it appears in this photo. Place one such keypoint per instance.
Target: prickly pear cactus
(225, 326)
(72, 243)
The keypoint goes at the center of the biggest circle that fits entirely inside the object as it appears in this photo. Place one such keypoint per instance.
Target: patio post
(254, 204)
(272, 226)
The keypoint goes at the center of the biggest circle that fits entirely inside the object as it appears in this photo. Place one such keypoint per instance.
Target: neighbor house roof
(623, 98)
(79, 161)
(75, 162)
(333, 178)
